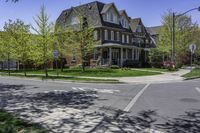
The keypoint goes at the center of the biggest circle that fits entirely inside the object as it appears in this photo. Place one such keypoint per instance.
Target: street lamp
(174, 17)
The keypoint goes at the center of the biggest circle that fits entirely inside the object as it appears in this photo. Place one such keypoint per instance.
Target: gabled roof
(90, 10)
(107, 7)
(121, 12)
(93, 14)
(134, 23)
(154, 30)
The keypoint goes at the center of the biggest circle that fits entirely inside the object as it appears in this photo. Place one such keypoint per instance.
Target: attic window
(139, 28)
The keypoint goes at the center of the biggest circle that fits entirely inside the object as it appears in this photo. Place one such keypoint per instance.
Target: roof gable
(134, 24)
(123, 12)
(107, 7)
(90, 10)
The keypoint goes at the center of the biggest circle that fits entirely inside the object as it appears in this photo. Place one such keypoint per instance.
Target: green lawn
(12, 124)
(93, 72)
(156, 69)
(194, 74)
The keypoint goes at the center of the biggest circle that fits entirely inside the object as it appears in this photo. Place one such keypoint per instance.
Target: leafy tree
(82, 39)
(62, 42)
(8, 43)
(185, 35)
(21, 37)
(44, 38)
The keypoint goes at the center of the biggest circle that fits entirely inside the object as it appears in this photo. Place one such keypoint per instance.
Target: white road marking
(94, 89)
(134, 100)
(198, 89)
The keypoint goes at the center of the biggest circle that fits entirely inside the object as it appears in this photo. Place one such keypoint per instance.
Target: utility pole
(174, 17)
(173, 38)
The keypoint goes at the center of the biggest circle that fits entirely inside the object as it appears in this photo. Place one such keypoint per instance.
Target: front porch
(120, 55)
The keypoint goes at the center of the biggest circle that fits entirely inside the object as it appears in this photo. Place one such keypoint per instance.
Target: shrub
(114, 67)
(131, 63)
(170, 65)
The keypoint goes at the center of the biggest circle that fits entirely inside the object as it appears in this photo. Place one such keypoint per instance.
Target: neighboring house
(154, 32)
(123, 40)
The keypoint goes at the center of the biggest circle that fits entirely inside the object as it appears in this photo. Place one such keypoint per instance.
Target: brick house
(122, 40)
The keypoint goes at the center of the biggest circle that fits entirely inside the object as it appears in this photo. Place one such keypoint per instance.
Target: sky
(150, 11)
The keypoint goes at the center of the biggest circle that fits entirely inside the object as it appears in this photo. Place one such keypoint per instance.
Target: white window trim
(112, 36)
(118, 38)
(123, 38)
(106, 34)
(127, 38)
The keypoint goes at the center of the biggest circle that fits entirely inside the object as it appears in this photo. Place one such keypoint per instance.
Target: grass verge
(195, 73)
(94, 72)
(71, 79)
(12, 124)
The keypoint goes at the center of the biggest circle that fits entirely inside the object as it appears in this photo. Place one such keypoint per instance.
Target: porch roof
(116, 45)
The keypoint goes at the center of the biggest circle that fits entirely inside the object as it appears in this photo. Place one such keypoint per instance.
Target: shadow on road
(69, 112)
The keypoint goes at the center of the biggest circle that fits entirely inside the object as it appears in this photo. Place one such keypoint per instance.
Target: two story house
(122, 40)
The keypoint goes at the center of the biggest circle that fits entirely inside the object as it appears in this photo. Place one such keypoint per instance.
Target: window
(111, 17)
(127, 38)
(123, 38)
(112, 35)
(74, 20)
(139, 28)
(122, 21)
(106, 34)
(118, 39)
(95, 35)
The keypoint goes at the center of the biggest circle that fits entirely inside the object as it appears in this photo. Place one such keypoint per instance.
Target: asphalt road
(81, 107)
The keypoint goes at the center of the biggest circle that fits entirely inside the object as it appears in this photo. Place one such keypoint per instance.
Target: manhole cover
(190, 100)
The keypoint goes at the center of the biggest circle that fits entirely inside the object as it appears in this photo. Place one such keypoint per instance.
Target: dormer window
(111, 17)
(124, 23)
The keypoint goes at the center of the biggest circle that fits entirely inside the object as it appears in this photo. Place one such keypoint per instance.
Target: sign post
(192, 48)
(56, 55)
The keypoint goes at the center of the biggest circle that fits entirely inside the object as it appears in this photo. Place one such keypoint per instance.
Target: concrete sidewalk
(163, 78)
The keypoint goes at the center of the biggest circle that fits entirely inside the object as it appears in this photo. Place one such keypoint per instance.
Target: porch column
(122, 59)
(126, 53)
(133, 54)
(110, 56)
(138, 54)
(101, 56)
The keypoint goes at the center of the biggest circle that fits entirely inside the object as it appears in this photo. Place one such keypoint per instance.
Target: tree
(21, 42)
(83, 39)
(8, 44)
(62, 42)
(185, 31)
(44, 38)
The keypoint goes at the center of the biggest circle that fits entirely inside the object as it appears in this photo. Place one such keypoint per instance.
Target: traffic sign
(55, 54)
(192, 47)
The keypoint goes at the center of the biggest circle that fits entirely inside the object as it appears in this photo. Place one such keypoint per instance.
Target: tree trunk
(46, 70)
(8, 64)
(83, 65)
(61, 65)
(24, 69)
